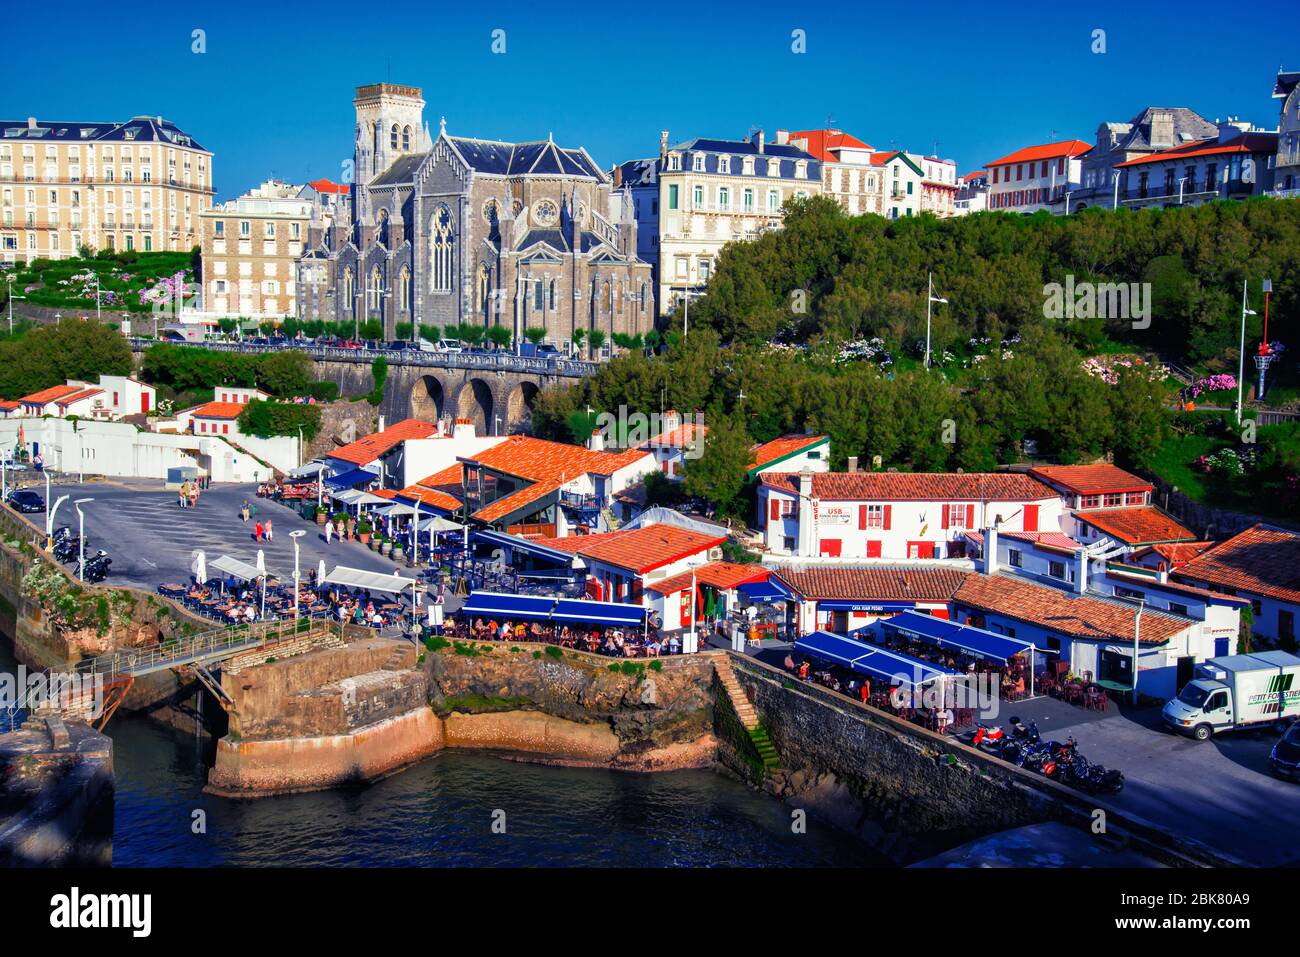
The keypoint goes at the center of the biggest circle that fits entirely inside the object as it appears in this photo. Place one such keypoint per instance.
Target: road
(1218, 792)
(151, 539)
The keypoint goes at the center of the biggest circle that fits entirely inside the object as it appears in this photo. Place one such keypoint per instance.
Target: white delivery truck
(1237, 691)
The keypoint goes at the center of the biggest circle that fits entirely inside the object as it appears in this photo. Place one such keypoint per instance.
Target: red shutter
(1031, 518)
(873, 549)
(970, 516)
(776, 508)
(831, 547)
(862, 517)
(945, 517)
(888, 509)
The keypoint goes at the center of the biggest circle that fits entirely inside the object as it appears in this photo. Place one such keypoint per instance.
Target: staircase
(746, 713)
(611, 521)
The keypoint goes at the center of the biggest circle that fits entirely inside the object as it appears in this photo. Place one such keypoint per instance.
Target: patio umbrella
(261, 562)
(320, 574)
(200, 567)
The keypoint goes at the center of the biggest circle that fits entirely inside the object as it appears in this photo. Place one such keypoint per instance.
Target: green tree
(718, 475)
(499, 336)
(535, 334)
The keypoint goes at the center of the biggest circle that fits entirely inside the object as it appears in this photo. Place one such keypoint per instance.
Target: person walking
(338, 529)
(244, 511)
(329, 532)
(257, 532)
(352, 528)
(194, 495)
(267, 529)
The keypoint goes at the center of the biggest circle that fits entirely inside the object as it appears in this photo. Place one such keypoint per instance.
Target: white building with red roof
(790, 453)
(1261, 565)
(680, 440)
(1236, 164)
(848, 176)
(1036, 177)
(1109, 506)
(897, 515)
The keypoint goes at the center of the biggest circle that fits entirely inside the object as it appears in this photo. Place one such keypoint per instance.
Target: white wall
(424, 457)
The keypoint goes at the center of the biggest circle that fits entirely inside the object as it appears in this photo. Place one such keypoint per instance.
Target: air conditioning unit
(715, 554)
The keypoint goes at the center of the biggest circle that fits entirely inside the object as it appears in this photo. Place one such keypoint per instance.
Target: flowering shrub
(1214, 383)
(1225, 463)
(166, 291)
(1107, 368)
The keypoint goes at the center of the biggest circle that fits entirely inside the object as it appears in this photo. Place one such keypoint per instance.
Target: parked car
(548, 351)
(398, 345)
(449, 345)
(1285, 759)
(26, 500)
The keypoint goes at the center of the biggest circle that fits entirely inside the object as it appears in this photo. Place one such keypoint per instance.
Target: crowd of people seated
(1013, 677)
(612, 642)
(287, 491)
(236, 602)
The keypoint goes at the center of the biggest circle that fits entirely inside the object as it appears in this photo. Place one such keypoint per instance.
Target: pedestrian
(267, 529)
(194, 495)
(180, 494)
(338, 529)
(352, 528)
(257, 532)
(329, 531)
(244, 510)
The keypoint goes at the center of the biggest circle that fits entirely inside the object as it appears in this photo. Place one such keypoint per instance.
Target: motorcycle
(96, 567)
(989, 739)
(1022, 732)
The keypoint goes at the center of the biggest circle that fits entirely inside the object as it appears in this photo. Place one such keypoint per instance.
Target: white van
(1235, 692)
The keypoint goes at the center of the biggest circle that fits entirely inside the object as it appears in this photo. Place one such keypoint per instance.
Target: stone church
(452, 230)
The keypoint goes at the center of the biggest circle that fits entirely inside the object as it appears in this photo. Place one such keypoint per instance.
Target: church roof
(519, 159)
(402, 170)
(1187, 125)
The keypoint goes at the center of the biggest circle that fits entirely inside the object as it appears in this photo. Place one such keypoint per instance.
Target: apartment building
(715, 191)
(1287, 168)
(1036, 177)
(250, 251)
(1236, 164)
(848, 176)
(972, 193)
(938, 186)
(64, 186)
(901, 181)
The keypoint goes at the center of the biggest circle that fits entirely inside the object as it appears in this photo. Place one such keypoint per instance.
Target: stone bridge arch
(519, 406)
(477, 402)
(428, 398)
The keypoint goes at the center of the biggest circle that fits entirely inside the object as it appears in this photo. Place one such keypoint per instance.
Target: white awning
(235, 568)
(370, 581)
(307, 468)
(355, 497)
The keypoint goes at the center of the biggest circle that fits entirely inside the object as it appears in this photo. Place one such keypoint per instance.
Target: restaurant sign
(838, 515)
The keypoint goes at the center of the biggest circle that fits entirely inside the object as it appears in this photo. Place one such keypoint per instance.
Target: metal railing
(209, 646)
(487, 361)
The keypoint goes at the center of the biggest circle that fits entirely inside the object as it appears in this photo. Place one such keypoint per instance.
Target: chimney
(853, 463)
(1162, 130)
(463, 429)
(381, 424)
(990, 563)
(757, 140)
(663, 144)
(807, 529)
(672, 420)
(1081, 571)
(31, 122)
(782, 137)
(597, 441)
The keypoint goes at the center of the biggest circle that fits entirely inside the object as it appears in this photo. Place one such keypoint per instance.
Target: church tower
(390, 124)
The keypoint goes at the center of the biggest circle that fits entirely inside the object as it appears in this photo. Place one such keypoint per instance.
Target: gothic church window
(404, 290)
(406, 137)
(442, 248)
(392, 137)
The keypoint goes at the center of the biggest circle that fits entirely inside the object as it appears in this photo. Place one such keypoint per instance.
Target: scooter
(1022, 732)
(988, 739)
(96, 568)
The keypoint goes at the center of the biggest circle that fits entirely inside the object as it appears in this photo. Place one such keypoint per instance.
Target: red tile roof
(440, 490)
(49, 395)
(1044, 151)
(326, 186)
(1077, 616)
(678, 438)
(770, 452)
(509, 504)
(78, 396)
(9, 404)
(218, 410)
(821, 143)
(1136, 526)
(723, 575)
(1055, 540)
(1090, 479)
(1246, 143)
(897, 583)
(915, 486)
(365, 450)
(1262, 560)
(880, 159)
(1176, 554)
(638, 550)
(978, 174)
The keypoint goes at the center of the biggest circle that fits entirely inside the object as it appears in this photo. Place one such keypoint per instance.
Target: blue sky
(273, 92)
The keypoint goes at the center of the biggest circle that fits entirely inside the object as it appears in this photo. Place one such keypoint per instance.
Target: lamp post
(10, 280)
(1265, 356)
(97, 316)
(1137, 624)
(49, 521)
(1114, 204)
(930, 300)
(295, 535)
(81, 537)
(1241, 352)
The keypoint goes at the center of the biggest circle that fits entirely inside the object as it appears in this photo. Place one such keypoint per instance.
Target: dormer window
(674, 161)
(801, 169)
(748, 166)
(697, 162)
(724, 164)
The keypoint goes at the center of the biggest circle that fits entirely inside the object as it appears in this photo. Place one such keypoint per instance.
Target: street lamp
(295, 535)
(97, 297)
(10, 280)
(1241, 354)
(1265, 356)
(930, 299)
(1115, 202)
(49, 520)
(81, 537)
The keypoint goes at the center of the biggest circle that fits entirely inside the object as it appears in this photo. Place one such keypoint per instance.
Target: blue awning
(890, 666)
(951, 634)
(524, 545)
(545, 608)
(599, 612)
(868, 606)
(349, 479)
(771, 590)
(497, 605)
